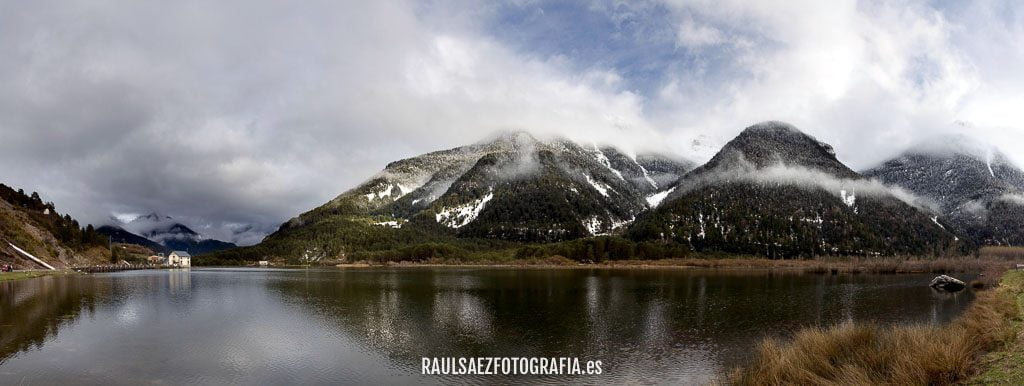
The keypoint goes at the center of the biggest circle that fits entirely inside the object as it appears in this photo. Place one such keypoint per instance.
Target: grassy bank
(21, 275)
(990, 266)
(905, 355)
(1006, 365)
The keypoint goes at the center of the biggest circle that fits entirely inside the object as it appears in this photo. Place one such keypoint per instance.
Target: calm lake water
(252, 326)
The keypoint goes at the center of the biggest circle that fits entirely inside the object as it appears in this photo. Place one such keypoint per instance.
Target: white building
(179, 259)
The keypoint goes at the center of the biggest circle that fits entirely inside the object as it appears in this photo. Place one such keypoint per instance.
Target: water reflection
(364, 325)
(179, 281)
(34, 311)
(664, 325)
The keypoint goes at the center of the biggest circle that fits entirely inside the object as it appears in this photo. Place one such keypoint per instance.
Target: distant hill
(163, 234)
(776, 191)
(36, 227)
(979, 192)
(119, 235)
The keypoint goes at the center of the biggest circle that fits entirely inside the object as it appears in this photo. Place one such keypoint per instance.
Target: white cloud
(868, 77)
(1017, 199)
(695, 35)
(249, 112)
(845, 189)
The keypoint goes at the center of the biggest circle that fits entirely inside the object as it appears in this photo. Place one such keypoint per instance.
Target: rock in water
(946, 283)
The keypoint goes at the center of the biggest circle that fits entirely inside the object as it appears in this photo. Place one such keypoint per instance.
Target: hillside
(510, 189)
(778, 192)
(36, 227)
(772, 191)
(979, 192)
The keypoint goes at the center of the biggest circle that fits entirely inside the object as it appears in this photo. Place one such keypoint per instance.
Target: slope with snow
(512, 187)
(972, 184)
(776, 191)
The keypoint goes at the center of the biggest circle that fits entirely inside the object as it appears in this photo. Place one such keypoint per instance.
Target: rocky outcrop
(947, 283)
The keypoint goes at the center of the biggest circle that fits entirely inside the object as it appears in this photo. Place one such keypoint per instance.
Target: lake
(354, 325)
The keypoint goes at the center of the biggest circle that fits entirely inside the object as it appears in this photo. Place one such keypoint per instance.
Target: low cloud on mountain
(843, 188)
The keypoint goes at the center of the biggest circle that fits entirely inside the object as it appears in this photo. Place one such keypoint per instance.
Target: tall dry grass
(1003, 252)
(858, 354)
(838, 265)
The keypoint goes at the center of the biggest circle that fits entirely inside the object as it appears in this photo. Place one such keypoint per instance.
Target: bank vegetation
(868, 354)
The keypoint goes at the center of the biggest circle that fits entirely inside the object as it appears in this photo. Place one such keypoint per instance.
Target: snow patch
(603, 159)
(390, 192)
(848, 200)
(392, 224)
(988, 162)
(701, 219)
(462, 215)
(621, 223)
(601, 188)
(594, 225)
(386, 192)
(656, 199)
(647, 175)
(935, 219)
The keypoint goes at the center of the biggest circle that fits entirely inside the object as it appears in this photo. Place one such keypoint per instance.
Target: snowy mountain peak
(774, 143)
(970, 182)
(511, 186)
(165, 231)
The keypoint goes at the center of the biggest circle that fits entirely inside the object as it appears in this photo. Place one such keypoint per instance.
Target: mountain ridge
(511, 187)
(776, 191)
(163, 234)
(772, 190)
(977, 188)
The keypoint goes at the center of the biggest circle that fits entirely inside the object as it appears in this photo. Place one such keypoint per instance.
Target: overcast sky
(237, 115)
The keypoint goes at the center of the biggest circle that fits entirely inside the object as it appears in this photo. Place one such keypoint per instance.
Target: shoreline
(981, 346)
(25, 275)
(824, 266)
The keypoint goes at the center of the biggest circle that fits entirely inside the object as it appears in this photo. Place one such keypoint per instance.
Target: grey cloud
(236, 115)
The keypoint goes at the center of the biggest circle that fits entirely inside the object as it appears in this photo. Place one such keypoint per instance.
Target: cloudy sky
(237, 115)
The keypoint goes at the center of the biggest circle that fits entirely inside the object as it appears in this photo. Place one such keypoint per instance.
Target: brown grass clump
(856, 354)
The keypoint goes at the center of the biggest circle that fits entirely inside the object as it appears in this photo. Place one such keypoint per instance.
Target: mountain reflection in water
(361, 325)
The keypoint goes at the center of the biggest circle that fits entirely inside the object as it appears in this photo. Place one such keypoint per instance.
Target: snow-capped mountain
(164, 231)
(512, 187)
(776, 191)
(977, 189)
(120, 235)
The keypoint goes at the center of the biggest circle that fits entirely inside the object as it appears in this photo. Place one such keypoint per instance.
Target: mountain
(120, 235)
(35, 227)
(163, 234)
(977, 189)
(511, 188)
(776, 191)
